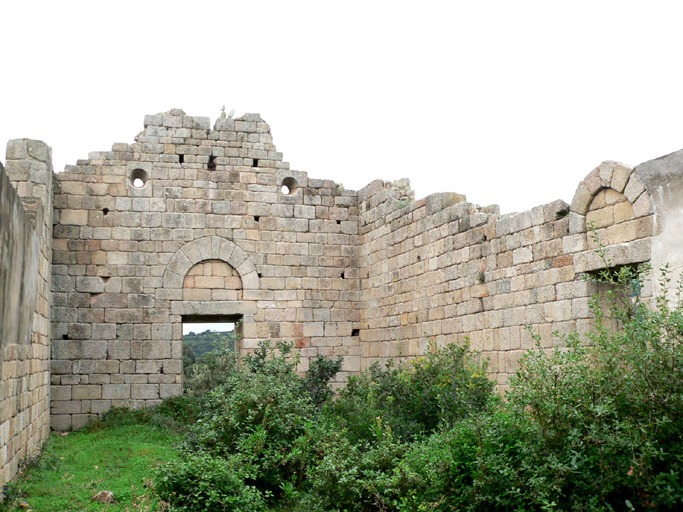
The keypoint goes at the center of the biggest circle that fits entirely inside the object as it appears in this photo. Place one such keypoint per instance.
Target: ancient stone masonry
(441, 270)
(192, 222)
(25, 265)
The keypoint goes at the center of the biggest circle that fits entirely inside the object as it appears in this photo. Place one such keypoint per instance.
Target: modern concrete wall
(25, 257)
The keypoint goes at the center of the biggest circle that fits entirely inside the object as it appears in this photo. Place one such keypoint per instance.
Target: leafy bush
(321, 370)
(9, 496)
(258, 411)
(207, 483)
(593, 425)
(607, 413)
(349, 476)
(471, 466)
(415, 398)
(211, 369)
(174, 413)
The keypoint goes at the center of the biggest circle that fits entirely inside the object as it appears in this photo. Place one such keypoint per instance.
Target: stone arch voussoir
(210, 248)
(612, 175)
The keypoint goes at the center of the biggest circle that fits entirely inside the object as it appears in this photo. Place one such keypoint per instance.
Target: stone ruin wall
(209, 234)
(442, 270)
(370, 275)
(25, 265)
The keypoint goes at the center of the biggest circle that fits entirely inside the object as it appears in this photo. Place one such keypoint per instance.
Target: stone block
(66, 349)
(634, 188)
(522, 255)
(577, 223)
(106, 366)
(74, 217)
(168, 390)
(148, 366)
(116, 391)
(16, 149)
(94, 349)
(82, 420)
(642, 206)
(59, 393)
(60, 422)
(156, 349)
(65, 407)
(86, 392)
(144, 391)
(620, 177)
(140, 300)
(173, 366)
(100, 406)
(102, 331)
(162, 331)
(172, 280)
(582, 199)
(118, 349)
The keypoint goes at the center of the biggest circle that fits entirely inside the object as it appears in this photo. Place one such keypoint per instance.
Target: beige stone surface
(26, 201)
(370, 275)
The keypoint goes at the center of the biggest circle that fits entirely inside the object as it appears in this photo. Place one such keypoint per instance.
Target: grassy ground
(75, 467)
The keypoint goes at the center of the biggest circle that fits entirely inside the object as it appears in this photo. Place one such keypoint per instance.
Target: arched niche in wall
(203, 253)
(213, 280)
(612, 202)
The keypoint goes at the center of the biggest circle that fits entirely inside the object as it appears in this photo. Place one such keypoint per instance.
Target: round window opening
(289, 186)
(138, 178)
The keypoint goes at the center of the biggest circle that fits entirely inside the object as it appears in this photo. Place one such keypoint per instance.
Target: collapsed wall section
(137, 225)
(25, 258)
(441, 270)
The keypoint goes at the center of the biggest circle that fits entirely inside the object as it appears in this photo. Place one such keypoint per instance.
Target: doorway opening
(207, 340)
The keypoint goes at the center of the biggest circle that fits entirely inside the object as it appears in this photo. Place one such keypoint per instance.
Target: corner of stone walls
(25, 278)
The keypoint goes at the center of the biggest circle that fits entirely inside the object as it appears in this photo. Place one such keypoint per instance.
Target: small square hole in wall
(355, 332)
(181, 159)
(212, 163)
(255, 162)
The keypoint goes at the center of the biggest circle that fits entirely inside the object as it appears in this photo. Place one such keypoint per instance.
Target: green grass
(120, 459)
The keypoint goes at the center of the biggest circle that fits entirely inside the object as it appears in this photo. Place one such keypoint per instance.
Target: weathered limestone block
(144, 391)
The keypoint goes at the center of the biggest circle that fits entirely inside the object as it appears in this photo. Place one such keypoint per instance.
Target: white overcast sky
(508, 102)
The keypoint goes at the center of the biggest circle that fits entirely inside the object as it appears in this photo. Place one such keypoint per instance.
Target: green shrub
(174, 413)
(593, 425)
(320, 371)
(201, 482)
(10, 495)
(415, 398)
(345, 475)
(258, 411)
(608, 411)
(471, 466)
(212, 368)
